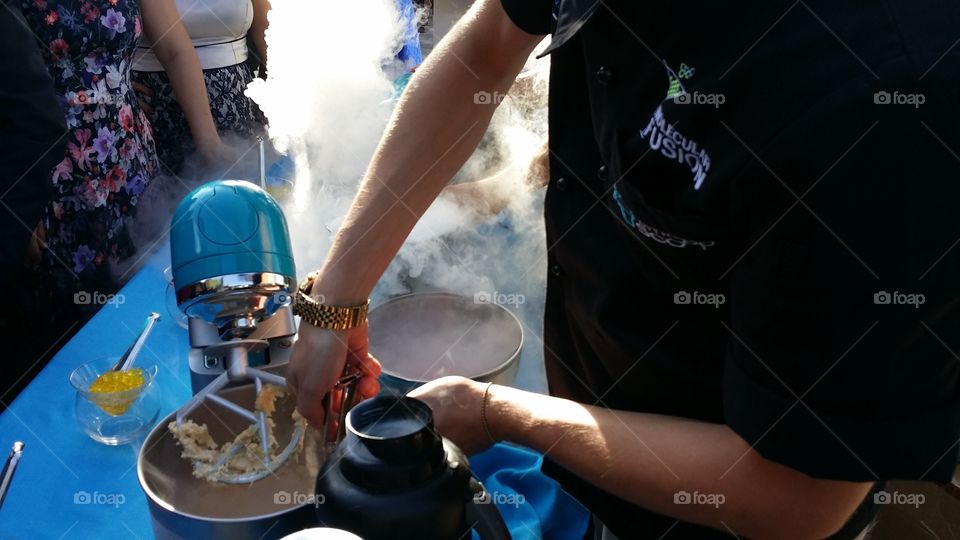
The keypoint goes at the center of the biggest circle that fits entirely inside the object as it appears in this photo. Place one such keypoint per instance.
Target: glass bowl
(114, 418)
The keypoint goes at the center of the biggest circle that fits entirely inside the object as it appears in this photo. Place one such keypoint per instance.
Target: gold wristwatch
(323, 316)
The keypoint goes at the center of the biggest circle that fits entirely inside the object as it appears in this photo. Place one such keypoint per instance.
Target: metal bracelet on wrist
(483, 412)
(324, 316)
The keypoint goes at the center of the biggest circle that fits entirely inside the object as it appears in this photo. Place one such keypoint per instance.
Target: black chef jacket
(752, 219)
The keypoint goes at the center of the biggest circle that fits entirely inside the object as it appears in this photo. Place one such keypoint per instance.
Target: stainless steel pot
(182, 506)
(420, 337)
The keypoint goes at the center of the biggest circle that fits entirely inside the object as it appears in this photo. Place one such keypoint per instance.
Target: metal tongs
(345, 391)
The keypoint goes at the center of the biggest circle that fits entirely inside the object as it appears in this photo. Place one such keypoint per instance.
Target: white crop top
(218, 29)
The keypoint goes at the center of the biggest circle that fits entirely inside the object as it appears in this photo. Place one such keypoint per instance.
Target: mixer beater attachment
(238, 372)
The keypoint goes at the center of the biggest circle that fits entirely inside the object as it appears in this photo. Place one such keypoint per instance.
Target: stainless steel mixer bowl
(182, 506)
(423, 336)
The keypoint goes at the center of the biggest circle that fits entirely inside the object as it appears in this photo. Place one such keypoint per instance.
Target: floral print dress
(110, 158)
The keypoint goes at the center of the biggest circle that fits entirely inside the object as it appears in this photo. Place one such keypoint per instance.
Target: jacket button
(556, 270)
(602, 173)
(561, 183)
(604, 75)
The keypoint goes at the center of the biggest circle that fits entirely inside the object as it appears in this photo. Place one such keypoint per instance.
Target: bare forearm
(435, 128)
(173, 48)
(258, 29)
(648, 459)
(186, 79)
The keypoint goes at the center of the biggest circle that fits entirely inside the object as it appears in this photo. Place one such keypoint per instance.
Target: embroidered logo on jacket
(670, 142)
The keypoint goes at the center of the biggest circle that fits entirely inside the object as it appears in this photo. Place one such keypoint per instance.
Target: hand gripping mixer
(234, 276)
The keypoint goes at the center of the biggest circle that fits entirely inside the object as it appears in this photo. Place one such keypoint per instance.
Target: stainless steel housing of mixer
(234, 319)
(240, 301)
(252, 306)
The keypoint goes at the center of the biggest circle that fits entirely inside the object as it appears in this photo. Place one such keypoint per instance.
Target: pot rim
(503, 366)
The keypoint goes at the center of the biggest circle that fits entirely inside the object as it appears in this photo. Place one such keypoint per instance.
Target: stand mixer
(234, 276)
(233, 272)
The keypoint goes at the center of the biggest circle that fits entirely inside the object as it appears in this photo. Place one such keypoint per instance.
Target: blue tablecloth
(68, 486)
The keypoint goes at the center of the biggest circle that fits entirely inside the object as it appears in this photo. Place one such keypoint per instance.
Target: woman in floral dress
(88, 46)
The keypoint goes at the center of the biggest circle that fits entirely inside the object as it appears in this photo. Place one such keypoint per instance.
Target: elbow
(168, 59)
(816, 518)
(794, 528)
(487, 42)
(790, 505)
(169, 56)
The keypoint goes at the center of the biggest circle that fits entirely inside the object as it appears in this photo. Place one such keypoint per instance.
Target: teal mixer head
(230, 254)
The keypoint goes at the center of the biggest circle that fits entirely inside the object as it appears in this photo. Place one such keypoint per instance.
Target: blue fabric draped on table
(532, 505)
(68, 486)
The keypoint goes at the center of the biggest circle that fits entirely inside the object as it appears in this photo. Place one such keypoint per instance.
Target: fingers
(305, 384)
(311, 408)
(317, 362)
(368, 387)
(336, 403)
(292, 383)
(145, 92)
(367, 364)
(40, 233)
(141, 88)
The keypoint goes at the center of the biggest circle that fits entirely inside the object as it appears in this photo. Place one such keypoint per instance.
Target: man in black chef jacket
(752, 314)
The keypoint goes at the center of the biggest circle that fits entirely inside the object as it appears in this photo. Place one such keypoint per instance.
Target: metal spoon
(128, 357)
